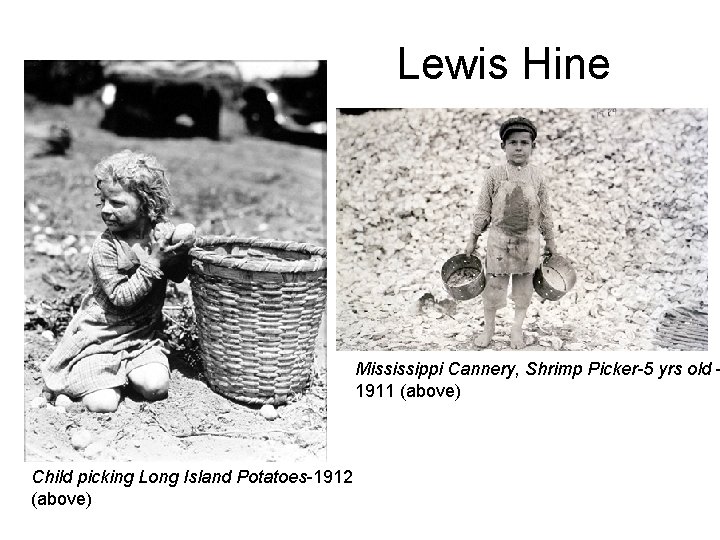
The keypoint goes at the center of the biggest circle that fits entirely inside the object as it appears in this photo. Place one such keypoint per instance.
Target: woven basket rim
(199, 252)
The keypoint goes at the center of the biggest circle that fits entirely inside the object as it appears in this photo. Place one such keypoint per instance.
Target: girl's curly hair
(142, 175)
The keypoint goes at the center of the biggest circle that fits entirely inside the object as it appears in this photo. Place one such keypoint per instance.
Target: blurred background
(214, 99)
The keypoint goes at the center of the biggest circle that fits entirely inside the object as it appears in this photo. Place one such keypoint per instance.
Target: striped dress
(116, 328)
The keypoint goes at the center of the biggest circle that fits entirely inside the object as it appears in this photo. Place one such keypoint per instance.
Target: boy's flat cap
(517, 123)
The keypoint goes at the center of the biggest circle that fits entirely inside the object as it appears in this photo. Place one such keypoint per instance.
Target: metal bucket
(554, 278)
(468, 289)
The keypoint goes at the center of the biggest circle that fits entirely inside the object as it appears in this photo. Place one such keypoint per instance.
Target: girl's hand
(168, 233)
(184, 236)
(160, 250)
(164, 229)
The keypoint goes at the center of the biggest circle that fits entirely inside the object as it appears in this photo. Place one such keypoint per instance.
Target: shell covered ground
(628, 191)
(240, 185)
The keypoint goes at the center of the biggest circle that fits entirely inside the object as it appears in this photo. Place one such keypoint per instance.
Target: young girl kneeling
(112, 340)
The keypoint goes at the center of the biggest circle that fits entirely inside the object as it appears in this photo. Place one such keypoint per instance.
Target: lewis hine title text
(539, 63)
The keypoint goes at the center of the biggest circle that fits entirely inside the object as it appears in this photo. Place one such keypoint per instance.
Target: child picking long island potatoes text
(112, 341)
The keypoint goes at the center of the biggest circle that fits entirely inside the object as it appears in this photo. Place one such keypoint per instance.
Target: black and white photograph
(522, 229)
(175, 268)
(307, 270)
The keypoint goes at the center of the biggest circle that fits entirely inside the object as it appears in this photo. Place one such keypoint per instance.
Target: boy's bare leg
(516, 333)
(489, 330)
(494, 298)
(522, 290)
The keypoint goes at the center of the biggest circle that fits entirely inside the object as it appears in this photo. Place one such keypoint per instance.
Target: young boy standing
(514, 209)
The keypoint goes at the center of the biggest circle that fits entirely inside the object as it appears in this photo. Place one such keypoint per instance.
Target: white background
(527, 458)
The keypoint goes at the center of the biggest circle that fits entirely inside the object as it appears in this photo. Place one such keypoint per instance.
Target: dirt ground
(241, 185)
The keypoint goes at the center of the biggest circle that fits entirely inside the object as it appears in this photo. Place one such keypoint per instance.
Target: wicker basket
(684, 328)
(258, 306)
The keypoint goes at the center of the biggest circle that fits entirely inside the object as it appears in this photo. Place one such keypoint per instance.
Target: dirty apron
(514, 242)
